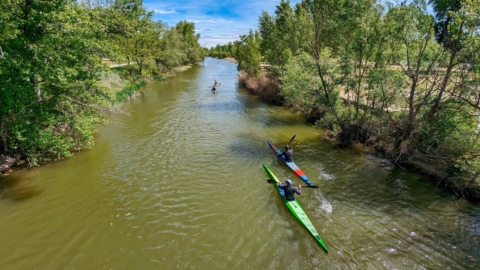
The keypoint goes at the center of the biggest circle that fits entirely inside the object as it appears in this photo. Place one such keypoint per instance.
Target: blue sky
(217, 21)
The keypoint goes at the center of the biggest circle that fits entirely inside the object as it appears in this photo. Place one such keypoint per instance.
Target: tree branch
(89, 106)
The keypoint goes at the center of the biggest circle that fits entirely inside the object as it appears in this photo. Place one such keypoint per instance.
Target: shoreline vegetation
(65, 66)
(268, 91)
(125, 91)
(396, 80)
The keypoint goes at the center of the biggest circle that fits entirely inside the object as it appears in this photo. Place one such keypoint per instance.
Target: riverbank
(231, 59)
(6, 162)
(268, 90)
(122, 83)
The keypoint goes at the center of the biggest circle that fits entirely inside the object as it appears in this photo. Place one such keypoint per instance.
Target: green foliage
(171, 53)
(303, 89)
(248, 54)
(51, 98)
(450, 138)
(222, 51)
(443, 18)
(193, 48)
(280, 38)
(49, 78)
(377, 75)
(128, 91)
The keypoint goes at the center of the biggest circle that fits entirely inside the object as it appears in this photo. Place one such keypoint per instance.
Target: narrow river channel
(177, 183)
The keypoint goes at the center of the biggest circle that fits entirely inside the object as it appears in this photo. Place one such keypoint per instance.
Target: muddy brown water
(177, 183)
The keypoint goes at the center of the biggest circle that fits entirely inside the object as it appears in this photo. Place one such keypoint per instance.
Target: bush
(129, 90)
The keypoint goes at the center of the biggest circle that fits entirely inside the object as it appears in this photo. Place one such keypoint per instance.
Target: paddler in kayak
(215, 85)
(287, 153)
(289, 190)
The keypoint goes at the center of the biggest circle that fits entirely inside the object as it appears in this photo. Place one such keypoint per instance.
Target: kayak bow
(297, 210)
(291, 165)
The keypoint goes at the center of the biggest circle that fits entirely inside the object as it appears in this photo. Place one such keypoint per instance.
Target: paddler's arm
(299, 190)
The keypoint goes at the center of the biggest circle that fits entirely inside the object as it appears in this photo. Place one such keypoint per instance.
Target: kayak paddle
(292, 139)
(270, 181)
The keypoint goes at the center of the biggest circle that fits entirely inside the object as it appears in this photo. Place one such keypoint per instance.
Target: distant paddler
(215, 85)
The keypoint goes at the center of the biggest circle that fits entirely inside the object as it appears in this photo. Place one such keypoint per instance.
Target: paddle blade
(292, 139)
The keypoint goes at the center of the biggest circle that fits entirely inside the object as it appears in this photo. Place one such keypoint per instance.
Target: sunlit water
(177, 183)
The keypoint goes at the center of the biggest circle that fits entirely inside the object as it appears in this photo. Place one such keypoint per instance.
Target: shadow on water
(247, 145)
(16, 188)
(219, 106)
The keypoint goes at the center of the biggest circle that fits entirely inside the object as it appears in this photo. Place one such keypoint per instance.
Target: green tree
(321, 24)
(171, 50)
(443, 18)
(222, 51)
(411, 33)
(248, 53)
(142, 41)
(192, 47)
(279, 37)
(50, 98)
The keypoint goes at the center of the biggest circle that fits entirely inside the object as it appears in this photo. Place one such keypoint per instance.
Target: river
(177, 183)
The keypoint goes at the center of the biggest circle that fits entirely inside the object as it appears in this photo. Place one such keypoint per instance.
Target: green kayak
(297, 210)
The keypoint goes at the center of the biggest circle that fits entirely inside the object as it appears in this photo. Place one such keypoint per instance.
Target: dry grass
(182, 68)
(231, 59)
(263, 86)
(113, 81)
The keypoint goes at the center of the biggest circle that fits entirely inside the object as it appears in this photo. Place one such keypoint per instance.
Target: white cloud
(201, 21)
(160, 11)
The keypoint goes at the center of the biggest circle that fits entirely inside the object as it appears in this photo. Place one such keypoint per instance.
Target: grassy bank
(122, 83)
(437, 169)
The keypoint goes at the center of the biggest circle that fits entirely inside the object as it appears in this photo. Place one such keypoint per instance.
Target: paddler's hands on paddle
(299, 186)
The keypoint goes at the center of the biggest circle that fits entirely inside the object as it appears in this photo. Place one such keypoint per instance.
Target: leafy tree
(411, 36)
(302, 89)
(50, 98)
(321, 24)
(444, 9)
(248, 53)
(143, 39)
(222, 51)
(192, 47)
(279, 37)
(171, 50)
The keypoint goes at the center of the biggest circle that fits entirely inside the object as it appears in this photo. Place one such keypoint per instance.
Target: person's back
(289, 191)
(287, 153)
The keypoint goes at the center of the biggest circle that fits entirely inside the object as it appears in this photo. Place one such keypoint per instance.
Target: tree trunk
(454, 53)
(411, 108)
(140, 67)
(3, 137)
(443, 86)
(36, 84)
(320, 74)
